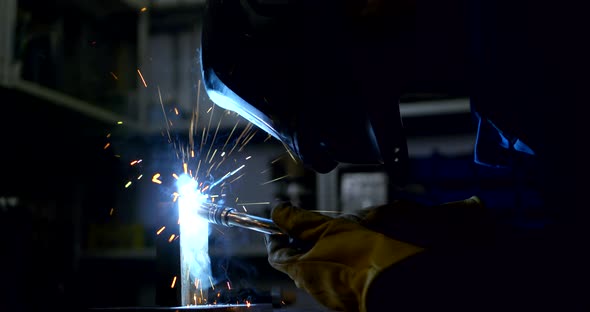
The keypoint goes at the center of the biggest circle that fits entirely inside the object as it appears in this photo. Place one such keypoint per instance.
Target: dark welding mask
(288, 67)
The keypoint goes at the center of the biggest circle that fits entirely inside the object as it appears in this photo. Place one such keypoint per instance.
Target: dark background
(73, 236)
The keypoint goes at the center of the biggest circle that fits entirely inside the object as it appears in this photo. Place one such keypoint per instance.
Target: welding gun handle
(232, 217)
(255, 223)
(228, 216)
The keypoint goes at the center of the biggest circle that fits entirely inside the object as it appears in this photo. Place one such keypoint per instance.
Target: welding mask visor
(288, 71)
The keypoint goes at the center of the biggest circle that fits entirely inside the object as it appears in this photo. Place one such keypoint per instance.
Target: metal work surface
(303, 303)
(212, 308)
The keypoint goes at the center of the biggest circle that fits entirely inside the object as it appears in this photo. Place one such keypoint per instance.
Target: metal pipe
(228, 216)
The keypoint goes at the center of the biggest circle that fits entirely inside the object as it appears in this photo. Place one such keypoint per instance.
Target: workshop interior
(103, 114)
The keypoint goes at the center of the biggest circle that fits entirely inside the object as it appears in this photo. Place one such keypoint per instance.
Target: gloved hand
(333, 259)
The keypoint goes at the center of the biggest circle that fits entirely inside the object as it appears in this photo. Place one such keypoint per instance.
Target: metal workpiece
(228, 216)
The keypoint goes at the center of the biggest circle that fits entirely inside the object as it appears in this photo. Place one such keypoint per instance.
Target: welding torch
(228, 216)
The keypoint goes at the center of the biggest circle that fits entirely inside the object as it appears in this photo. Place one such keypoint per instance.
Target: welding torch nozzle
(228, 216)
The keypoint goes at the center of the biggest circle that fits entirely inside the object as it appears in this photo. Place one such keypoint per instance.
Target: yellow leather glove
(333, 259)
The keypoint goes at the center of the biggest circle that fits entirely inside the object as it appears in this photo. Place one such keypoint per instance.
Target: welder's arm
(334, 259)
(349, 265)
(508, 277)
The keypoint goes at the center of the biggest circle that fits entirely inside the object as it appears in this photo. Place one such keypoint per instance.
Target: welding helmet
(301, 71)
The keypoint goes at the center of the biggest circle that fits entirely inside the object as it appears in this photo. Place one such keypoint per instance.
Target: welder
(326, 78)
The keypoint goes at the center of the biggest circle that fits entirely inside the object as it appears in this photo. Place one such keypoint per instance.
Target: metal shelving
(26, 28)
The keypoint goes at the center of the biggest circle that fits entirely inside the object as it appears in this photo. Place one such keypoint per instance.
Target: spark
(222, 154)
(198, 167)
(230, 134)
(244, 134)
(128, 184)
(135, 162)
(111, 211)
(289, 152)
(219, 164)
(191, 138)
(211, 281)
(213, 155)
(248, 157)
(247, 141)
(143, 10)
(173, 282)
(248, 126)
(174, 175)
(250, 204)
(220, 231)
(277, 159)
(229, 174)
(209, 170)
(195, 118)
(228, 285)
(176, 111)
(107, 145)
(202, 140)
(274, 180)
(206, 136)
(155, 178)
(119, 122)
(268, 138)
(114, 76)
(160, 230)
(214, 136)
(108, 135)
(141, 76)
(247, 303)
(241, 175)
(175, 196)
(272, 163)
(140, 176)
(244, 207)
(185, 167)
(165, 116)
(171, 238)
